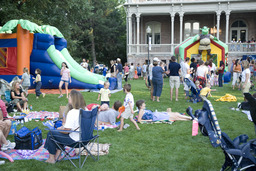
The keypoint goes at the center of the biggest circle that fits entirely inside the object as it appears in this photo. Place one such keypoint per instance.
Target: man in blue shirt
(174, 70)
(119, 70)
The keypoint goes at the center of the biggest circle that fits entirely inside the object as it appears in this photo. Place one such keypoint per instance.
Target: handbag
(28, 139)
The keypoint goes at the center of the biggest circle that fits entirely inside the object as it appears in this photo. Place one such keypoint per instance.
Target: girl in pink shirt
(65, 78)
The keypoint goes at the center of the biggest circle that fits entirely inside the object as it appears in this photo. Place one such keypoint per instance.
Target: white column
(218, 23)
(181, 25)
(130, 32)
(138, 31)
(227, 25)
(172, 34)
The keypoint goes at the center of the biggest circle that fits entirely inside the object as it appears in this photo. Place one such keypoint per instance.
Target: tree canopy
(94, 30)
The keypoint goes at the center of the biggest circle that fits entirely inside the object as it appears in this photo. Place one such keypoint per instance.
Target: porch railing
(163, 1)
(168, 49)
(155, 49)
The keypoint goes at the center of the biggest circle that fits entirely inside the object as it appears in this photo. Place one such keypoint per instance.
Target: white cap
(156, 59)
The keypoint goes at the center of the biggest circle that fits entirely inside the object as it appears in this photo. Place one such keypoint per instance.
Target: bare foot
(138, 128)
(49, 161)
(119, 130)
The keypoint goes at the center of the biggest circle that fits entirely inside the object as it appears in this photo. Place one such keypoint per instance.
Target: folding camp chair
(195, 93)
(87, 120)
(239, 154)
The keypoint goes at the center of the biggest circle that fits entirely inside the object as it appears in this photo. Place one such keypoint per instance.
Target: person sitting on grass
(18, 97)
(108, 116)
(128, 104)
(5, 126)
(76, 100)
(206, 91)
(147, 115)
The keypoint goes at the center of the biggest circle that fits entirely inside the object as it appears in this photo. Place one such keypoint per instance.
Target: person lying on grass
(76, 99)
(107, 116)
(147, 115)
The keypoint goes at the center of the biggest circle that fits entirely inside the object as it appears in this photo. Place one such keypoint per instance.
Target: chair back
(7, 95)
(87, 121)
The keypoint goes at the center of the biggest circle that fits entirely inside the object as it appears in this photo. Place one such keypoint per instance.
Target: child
(216, 83)
(198, 86)
(104, 93)
(136, 74)
(38, 83)
(128, 104)
(206, 91)
(25, 80)
(65, 78)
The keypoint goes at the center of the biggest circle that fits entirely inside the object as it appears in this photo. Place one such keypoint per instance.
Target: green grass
(155, 146)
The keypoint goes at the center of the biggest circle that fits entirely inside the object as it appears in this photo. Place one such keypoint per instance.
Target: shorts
(127, 113)
(246, 88)
(174, 81)
(65, 81)
(15, 101)
(25, 88)
(106, 102)
(144, 74)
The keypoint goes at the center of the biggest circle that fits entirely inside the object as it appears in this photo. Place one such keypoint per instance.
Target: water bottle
(31, 107)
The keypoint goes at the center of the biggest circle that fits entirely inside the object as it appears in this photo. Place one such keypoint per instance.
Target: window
(3, 55)
(191, 29)
(239, 31)
(155, 32)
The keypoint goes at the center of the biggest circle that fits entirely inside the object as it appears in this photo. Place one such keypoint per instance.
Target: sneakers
(239, 105)
(10, 145)
(43, 95)
(2, 162)
(60, 96)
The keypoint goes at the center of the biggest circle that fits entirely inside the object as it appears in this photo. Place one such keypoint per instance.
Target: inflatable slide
(42, 47)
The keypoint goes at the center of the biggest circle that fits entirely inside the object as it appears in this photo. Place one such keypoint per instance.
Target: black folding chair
(87, 120)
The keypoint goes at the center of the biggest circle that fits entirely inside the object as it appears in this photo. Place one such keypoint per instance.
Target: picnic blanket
(42, 114)
(40, 154)
(102, 127)
(227, 98)
(157, 122)
(103, 149)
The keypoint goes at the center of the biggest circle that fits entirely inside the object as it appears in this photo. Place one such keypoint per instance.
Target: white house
(172, 21)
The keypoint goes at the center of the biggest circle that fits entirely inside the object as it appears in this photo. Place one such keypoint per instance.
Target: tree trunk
(93, 51)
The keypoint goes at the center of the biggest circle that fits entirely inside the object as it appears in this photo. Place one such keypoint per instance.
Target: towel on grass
(40, 154)
(42, 114)
(156, 122)
(227, 98)
(103, 149)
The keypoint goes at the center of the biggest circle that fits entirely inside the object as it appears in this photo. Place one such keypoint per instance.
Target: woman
(65, 78)
(147, 115)
(112, 69)
(246, 74)
(18, 96)
(236, 73)
(76, 100)
(157, 79)
(201, 73)
(221, 72)
(126, 72)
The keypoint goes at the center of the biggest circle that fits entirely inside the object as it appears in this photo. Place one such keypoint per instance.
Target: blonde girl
(18, 96)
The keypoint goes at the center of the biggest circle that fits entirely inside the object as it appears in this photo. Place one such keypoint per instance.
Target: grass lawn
(155, 146)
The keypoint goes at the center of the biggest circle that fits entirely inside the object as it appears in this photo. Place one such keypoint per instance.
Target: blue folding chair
(87, 120)
(7, 95)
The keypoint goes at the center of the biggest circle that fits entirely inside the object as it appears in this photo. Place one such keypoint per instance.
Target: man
(109, 116)
(119, 70)
(174, 70)
(84, 64)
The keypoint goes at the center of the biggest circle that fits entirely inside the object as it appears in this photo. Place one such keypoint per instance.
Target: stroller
(239, 153)
(195, 93)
